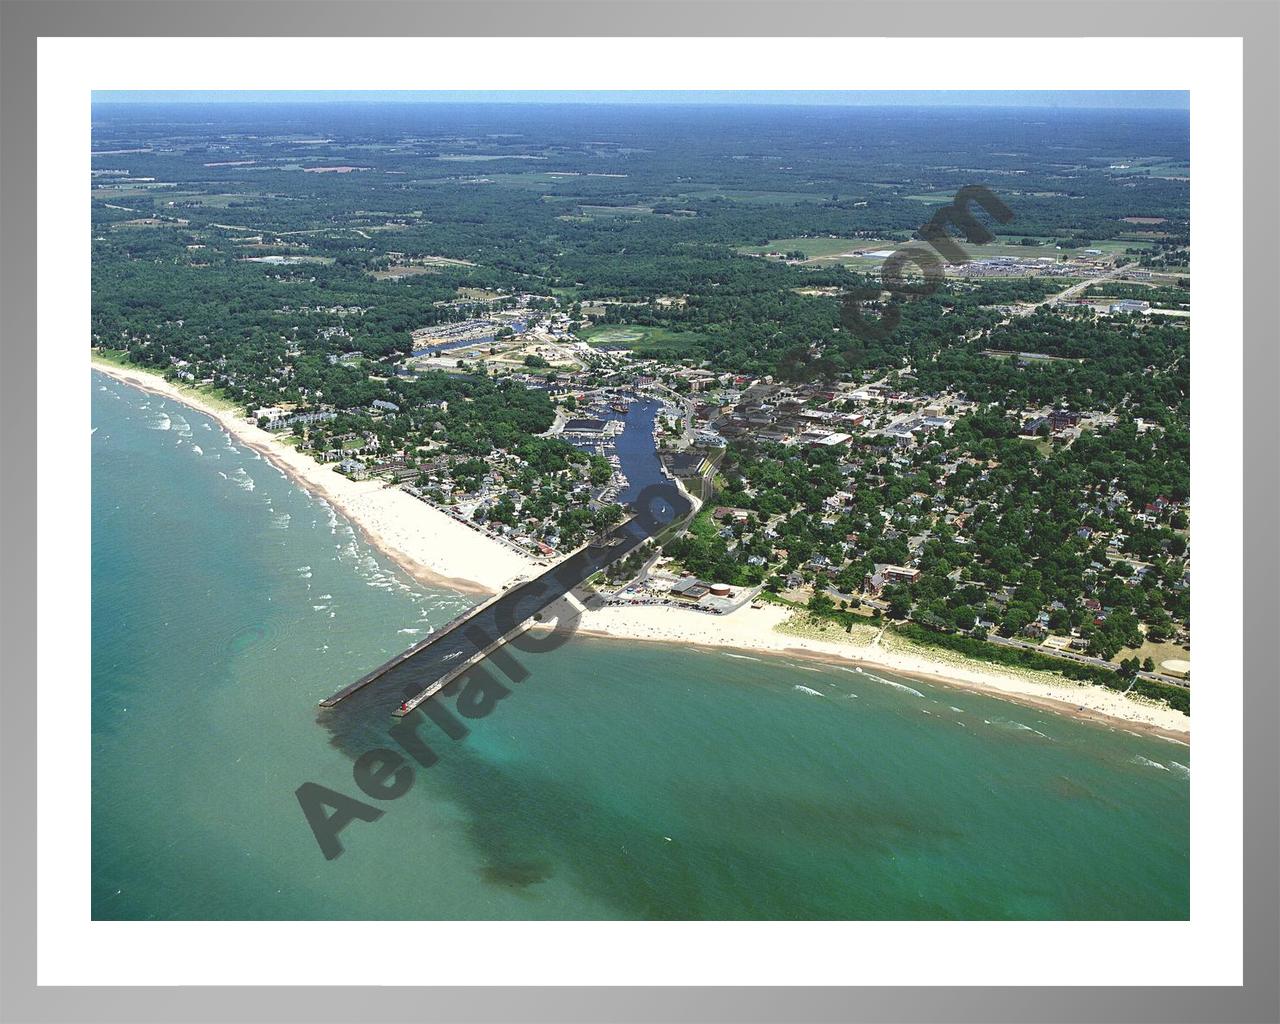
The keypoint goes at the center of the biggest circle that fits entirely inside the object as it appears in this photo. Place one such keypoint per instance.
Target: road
(1077, 288)
(1082, 659)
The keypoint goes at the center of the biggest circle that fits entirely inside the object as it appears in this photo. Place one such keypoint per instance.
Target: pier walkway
(428, 666)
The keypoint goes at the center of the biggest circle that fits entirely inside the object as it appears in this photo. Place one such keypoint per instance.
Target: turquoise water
(617, 781)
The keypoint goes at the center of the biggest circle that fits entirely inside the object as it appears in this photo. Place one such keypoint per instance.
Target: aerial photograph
(641, 506)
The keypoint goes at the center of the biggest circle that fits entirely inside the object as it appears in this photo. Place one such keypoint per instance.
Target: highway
(1080, 286)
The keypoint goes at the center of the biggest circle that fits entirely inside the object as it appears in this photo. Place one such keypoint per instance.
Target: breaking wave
(897, 686)
(1004, 723)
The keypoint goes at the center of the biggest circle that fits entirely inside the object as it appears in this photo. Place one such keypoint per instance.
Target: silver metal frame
(1257, 22)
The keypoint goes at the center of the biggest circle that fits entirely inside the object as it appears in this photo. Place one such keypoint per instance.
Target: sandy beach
(437, 549)
(779, 630)
(431, 546)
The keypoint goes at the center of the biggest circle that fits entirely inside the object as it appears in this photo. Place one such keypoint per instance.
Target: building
(355, 470)
(1063, 419)
(1129, 306)
(690, 588)
(824, 438)
(584, 425)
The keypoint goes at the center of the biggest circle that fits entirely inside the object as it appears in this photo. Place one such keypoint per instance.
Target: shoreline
(760, 636)
(437, 550)
(429, 545)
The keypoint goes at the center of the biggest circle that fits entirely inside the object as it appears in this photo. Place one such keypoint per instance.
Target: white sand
(437, 549)
(757, 629)
(430, 545)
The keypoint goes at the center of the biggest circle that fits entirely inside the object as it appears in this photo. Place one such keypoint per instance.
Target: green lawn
(645, 340)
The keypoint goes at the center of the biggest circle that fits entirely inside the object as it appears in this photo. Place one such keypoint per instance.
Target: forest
(661, 201)
(257, 246)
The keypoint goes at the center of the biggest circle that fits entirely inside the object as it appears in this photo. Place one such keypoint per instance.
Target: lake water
(616, 781)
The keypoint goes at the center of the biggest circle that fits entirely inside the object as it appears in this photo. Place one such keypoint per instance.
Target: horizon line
(1079, 99)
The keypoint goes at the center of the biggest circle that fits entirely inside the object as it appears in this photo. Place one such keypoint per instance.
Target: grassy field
(836, 250)
(396, 273)
(1158, 653)
(755, 197)
(932, 197)
(999, 248)
(1156, 167)
(613, 211)
(819, 248)
(533, 179)
(480, 157)
(218, 201)
(645, 340)
(114, 193)
(1043, 445)
(478, 294)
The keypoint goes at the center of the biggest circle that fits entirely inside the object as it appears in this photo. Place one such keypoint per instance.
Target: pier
(417, 674)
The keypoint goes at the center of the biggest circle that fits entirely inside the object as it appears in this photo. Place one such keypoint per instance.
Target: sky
(1079, 99)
